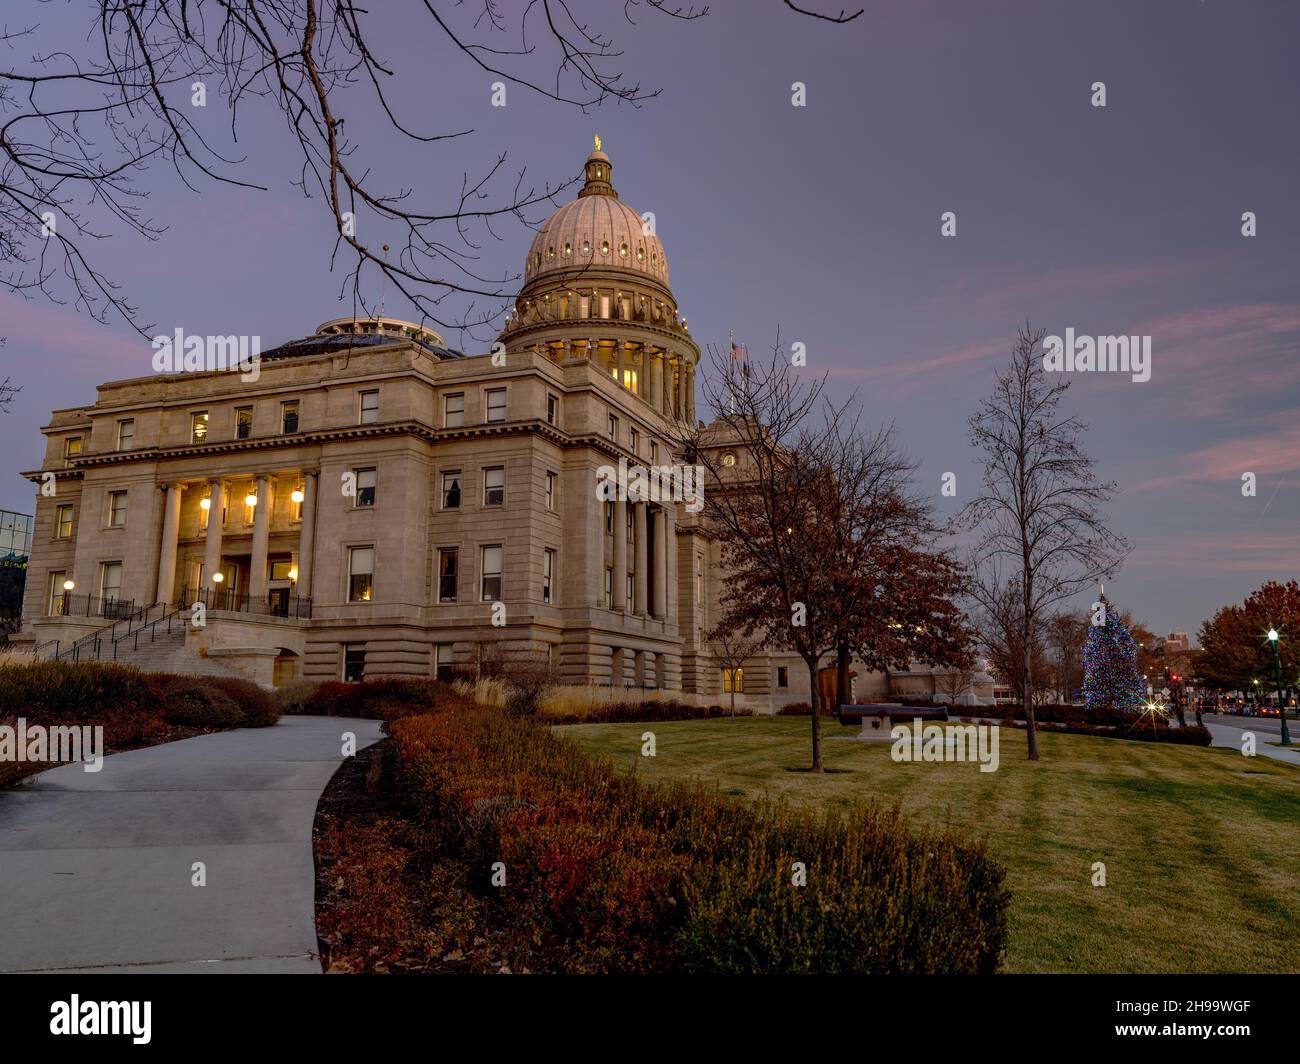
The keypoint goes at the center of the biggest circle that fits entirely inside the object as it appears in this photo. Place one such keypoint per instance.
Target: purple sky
(824, 221)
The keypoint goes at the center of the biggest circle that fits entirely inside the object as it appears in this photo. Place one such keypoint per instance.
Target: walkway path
(96, 868)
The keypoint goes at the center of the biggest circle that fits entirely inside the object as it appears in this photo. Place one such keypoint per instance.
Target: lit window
(354, 662)
(451, 490)
(243, 422)
(369, 408)
(116, 509)
(568, 248)
(361, 574)
(604, 247)
(548, 574)
(622, 250)
(448, 571)
(491, 585)
(57, 593)
(63, 522)
(125, 434)
(494, 486)
(550, 253)
(289, 417)
(199, 427)
(733, 680)
(550, 491)
(366, 479)
(496, 404)
(640, 254)
(586, 247)
(71, 448)
(454, 410)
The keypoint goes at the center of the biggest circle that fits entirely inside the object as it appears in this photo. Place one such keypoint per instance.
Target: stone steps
(167, 653)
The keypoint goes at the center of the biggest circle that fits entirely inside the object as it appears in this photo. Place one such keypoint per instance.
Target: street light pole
(1281, 702)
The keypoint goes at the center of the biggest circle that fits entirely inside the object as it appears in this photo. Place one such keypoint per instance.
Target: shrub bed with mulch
(574, 866)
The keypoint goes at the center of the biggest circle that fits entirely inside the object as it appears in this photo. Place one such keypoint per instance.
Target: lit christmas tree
(1110, 671)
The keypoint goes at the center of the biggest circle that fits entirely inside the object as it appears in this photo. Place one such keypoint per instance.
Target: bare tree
(1038, 510)
(1065, 633)
(79, 128)
(956, 680)
(732, 647)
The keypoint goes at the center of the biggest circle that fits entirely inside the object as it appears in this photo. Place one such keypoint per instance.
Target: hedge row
(134, 708)
(382, 699)
(649, 712)
(608, 874)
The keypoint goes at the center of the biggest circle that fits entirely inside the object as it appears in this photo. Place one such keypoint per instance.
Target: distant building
(15, 549)
(1177, 643)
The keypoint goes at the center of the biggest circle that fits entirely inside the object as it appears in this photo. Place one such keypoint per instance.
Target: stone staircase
(166, 653)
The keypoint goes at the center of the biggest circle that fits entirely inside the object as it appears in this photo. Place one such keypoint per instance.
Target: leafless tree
(732, 647)
(79, 128)
(957, 678)
(1038, 512)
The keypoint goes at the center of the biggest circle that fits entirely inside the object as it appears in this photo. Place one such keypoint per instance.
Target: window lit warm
(733, 680)
(199, 427)
(361, 574)
(63, 522)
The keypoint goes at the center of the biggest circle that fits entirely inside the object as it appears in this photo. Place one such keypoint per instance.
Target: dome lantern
(598, 169)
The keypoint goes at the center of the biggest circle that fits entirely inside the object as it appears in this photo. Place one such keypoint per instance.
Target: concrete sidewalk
(1229, 735)
(96, 868)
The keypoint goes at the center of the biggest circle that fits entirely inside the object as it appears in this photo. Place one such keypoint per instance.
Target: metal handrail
(151, 628)
(96, 639)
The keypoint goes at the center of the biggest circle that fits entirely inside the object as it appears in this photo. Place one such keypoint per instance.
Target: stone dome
(597, 231)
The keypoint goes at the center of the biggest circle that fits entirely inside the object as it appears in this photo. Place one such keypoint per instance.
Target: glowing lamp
(68, 585)
(250, 499)
(296, 495)
(218, 577)
(205, 504)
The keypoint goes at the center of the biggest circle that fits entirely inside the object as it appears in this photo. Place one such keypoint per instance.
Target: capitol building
(373, 502)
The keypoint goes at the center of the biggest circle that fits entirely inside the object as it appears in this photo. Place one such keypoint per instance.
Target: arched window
(604, 247)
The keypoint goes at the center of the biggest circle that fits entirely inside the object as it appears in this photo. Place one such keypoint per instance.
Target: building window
(699, 578)
(451, 490)
(126, 434)
(116, 509)
(369, 408)
(354, 662)
(57, 592)
(361, 574)
(446, 660)
(609, 589)
(782, 676)
(366, 480)
(733, 681)
(548, 574)
(110, 581)
(243, 422)
(199, 427)
(629, 591)
(609, 518)
(63, 521)
(71, 449)
(550, 491)
(611, 428)
(289, 417)
(491, 588)
(634, 440)
(283, 570)
(552, 409)
(448, 571)
(654, 453)
(494, 486)
(631, 525)
(496, 404)
(453, 410)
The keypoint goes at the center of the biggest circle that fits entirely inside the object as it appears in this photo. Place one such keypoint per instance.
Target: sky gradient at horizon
(824, 221)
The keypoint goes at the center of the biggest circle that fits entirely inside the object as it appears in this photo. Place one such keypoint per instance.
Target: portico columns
(670, 567)
(212, 548)
(661, 565)
(620, 555)
(166, 585)
(622, 364)
(261, 538)
(307, 535)
(639, 579)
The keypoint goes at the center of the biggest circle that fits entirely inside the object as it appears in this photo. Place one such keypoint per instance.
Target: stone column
(307, 535)
(622, 362)
(639, 579)
(212, 547)
(261, 536)
(690, 397)
(654, 372)
(665, 384)
(620, 555)
(659, 598)
(670, 567)
(166, 586)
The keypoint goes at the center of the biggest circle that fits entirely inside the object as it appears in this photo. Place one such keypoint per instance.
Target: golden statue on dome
(598, 142)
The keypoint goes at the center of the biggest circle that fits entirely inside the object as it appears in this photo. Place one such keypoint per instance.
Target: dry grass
(579, 701)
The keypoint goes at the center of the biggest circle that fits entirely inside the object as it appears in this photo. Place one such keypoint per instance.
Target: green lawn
(1200, 845)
